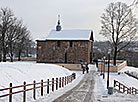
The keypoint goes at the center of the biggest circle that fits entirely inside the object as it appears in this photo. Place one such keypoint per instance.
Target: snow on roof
(69, 35)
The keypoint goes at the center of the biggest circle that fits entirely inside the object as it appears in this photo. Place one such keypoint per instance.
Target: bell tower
(58, 27)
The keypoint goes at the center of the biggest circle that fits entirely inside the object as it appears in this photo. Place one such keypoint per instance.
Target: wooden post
(70, 78)
(52, 84)
(124, 89)
(60, 82)
(41, 87)
(134, 90)
(130, 90)
(10, 92)
(24, 92)
(47, 86)
(65, 80)
(34, 90)
(114, 83)
(56, 83)
(119, 86)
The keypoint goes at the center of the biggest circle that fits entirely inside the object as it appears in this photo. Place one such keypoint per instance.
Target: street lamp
(103, 67)
(109, 52)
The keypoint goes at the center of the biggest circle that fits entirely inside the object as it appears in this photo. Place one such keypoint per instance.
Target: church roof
(70, 35)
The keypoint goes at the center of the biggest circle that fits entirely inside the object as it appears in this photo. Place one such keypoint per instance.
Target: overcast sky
(40, 16)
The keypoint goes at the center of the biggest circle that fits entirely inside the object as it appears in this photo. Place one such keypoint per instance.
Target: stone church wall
(49, 52)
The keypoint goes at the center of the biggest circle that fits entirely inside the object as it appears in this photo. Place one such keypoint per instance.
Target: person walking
(87, 68)
(83, 68)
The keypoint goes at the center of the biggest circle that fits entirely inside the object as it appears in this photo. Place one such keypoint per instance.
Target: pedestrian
(96, 61)
(83, 68)
(87, 68)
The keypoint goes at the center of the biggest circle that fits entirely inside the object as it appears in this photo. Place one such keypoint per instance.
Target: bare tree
(5, 22)
(13, 35)
(118, 25)
(21, 42)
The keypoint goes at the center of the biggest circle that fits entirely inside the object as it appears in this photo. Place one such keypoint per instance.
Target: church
(66, 46)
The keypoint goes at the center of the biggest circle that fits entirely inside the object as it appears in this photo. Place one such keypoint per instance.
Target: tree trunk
(115, 55)
(11, 57)
(11, 51)
(4, 55)
(3, 46)
(19, 55)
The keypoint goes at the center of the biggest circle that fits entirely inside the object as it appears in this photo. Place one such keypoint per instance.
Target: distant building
(66, 46)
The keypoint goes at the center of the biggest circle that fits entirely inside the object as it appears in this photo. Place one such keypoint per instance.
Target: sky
(40, 16)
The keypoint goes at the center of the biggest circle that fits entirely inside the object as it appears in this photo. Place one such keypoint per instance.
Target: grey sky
(40, 16)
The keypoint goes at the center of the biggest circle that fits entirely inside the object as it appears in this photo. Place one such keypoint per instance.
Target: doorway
(65, 57)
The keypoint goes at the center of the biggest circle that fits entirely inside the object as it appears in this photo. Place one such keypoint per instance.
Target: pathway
(83, 92)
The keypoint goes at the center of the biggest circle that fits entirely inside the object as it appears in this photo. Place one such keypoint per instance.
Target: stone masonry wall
(49, 52)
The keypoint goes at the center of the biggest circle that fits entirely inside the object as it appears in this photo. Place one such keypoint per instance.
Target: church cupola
(58, 27)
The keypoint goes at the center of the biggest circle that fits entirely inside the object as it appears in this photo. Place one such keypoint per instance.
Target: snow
(101, 92)
(130, 69)
(68, 35)
(53, 95)
(18, 72)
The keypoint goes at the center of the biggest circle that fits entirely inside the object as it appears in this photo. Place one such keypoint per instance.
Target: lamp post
(103, 67)
(109, 51)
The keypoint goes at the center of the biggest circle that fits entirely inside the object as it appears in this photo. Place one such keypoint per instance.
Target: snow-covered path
(83, 92)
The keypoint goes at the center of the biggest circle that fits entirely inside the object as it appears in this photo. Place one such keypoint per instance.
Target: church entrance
(65, 57)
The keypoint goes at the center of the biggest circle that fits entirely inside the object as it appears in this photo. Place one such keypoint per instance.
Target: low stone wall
(71, 66)
(112, 67)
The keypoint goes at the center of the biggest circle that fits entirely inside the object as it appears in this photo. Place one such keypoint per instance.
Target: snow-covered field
(18, 72)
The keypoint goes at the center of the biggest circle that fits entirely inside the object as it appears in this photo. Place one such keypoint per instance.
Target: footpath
(83, 92)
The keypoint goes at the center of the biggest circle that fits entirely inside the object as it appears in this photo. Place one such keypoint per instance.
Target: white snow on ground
(101, 84)
(53, 95)
(18, 72)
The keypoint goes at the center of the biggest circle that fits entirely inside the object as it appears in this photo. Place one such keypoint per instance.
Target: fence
(131, 74)
(102, 65)
(54, 83)
(122, 88)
